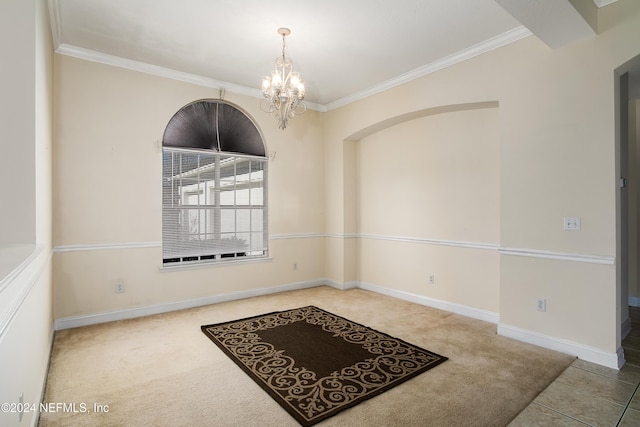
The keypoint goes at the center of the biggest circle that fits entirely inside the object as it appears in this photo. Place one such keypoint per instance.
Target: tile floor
(591, 395)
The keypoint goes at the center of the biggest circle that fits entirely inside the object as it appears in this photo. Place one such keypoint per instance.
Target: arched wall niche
(385, 204)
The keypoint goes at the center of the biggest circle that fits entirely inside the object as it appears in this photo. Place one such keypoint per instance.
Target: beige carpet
(162, 371)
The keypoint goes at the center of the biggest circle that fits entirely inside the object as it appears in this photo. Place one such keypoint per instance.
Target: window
(213, 202)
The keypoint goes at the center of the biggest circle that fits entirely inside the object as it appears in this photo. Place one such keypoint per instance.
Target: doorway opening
(627, 116)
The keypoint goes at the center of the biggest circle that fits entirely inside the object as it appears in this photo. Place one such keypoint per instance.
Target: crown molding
(461, 56)
(496, 42)
(603, 3)
(117, 61)
(156, 70)
(54, 22)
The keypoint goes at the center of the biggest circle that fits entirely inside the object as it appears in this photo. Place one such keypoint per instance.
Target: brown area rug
(316, 364)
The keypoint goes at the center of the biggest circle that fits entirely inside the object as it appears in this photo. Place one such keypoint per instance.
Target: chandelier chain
(283, 44)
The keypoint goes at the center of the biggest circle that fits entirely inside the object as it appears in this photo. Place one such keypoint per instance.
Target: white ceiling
(344, 49)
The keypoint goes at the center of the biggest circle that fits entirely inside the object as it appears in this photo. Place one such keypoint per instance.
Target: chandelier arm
(301, 105)
(269, 106)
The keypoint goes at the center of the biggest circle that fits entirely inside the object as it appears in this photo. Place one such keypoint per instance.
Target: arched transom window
(214, 175)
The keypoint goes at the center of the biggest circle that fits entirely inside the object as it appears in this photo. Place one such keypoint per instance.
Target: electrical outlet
(432, 279)
(572, 223)
(541, 304)
(119, 287)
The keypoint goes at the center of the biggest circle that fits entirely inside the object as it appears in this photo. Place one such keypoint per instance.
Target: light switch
(572, 223)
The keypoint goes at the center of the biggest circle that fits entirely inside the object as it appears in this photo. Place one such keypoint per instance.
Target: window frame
(193, 234)
(217, 206)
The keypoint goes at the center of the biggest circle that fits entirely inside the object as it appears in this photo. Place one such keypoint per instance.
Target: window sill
(200, 265)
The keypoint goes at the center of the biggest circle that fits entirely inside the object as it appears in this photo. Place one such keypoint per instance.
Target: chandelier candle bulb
(276, 79)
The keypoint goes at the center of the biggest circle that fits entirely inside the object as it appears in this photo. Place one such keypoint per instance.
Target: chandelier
(283, 91)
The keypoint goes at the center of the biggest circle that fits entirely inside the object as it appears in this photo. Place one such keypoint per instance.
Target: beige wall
(556, 134)
(107, 211)
(500, 177)
(434, 179)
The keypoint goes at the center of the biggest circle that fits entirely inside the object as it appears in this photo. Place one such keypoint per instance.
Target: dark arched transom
(213, 125)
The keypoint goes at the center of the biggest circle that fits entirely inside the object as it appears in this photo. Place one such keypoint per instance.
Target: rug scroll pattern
(313, 399)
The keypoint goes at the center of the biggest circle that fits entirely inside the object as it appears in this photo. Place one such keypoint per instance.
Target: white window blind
(213, 206)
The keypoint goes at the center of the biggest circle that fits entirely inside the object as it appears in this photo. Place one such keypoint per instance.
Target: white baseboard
(464, 310)
(334, 284)
(339, 285)
(587, 353)
(590, 354)
(35, 421)
(130, 313)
